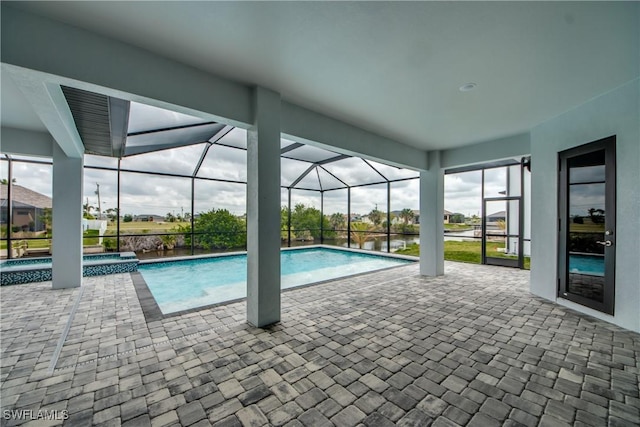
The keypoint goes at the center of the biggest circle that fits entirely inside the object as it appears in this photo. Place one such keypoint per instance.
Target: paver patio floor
(473, 347)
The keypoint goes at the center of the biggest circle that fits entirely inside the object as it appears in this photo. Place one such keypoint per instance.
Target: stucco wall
(614, 113)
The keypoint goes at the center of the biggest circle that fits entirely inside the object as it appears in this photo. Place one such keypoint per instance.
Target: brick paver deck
(389, 348)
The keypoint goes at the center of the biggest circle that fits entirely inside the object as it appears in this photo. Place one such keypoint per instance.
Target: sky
(149, 194)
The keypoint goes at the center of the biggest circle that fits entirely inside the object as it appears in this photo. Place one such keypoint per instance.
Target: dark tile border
(152, 311)
(148, 303)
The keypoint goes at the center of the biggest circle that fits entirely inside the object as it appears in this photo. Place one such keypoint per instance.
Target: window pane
(182, 160)
(495, 182)
(514, 180)
(336, 202)
(290, 170)
(328, 181)
(169, 138)
(148, 199)
(220, 195)
(391, 172)
(463, 193)
(305, 217)
(144, 117)
(353, 171)
(102, 161)
(100, 210)
(236, 138)
(309, 153)
(224, 163)
(310, 181)
(369, 212)
(31, 197)
(220, 216)
(586, 174)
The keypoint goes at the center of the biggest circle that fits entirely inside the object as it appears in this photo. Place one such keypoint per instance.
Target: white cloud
(144, 193)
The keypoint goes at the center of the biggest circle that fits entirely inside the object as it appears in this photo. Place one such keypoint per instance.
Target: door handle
(606, 243)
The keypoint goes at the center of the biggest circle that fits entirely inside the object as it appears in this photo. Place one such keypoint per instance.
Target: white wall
(614, 113)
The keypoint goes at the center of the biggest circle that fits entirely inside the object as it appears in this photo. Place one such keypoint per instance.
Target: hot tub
(27, 270)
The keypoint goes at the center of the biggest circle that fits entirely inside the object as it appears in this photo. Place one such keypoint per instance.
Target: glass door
(501, 234)
(587, 225)
(503, 216)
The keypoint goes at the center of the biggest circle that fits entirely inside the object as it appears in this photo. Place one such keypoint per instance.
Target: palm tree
(112, 214)
(336, 220)
(407, 215)
(87, 208)
(359, 233)
(376, 216)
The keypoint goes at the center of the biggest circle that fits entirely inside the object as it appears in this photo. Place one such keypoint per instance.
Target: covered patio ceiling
(114, 127)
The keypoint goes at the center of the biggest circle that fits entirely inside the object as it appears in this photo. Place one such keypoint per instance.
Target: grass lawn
(91, 237)
(139, 227)
(40, 243)
(586, 228)
(463, 251)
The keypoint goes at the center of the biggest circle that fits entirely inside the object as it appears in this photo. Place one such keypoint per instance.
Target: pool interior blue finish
(182, 285)
(586, 264)
(28, 270)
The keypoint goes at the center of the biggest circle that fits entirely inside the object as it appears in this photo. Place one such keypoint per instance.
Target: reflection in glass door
(587, 225)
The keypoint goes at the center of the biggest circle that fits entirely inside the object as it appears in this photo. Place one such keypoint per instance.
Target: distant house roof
(499, 214)
(24, 197)
(154, 216)
(417, 212)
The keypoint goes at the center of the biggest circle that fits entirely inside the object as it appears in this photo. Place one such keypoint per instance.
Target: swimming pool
(586, 264)
(187, 284)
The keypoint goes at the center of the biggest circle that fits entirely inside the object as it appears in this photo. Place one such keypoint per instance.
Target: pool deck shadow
(473, 347)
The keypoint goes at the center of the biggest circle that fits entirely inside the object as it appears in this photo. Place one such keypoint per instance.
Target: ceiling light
(467, 87)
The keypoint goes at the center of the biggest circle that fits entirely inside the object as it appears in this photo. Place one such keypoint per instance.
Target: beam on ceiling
(48, 102)
(85, 60)
(302, 125)
(333, 159)
(26, 142)
(150, 131)
(514, 146)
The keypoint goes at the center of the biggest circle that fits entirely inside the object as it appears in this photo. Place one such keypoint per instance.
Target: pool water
(585, 264)
(182, 285)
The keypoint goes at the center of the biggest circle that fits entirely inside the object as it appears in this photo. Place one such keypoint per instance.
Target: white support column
(431, 217)
(512, 216)
(67, 219)
(263, 211)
